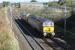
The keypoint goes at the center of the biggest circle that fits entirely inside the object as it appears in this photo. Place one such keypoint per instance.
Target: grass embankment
(52, 12)
(7, 38)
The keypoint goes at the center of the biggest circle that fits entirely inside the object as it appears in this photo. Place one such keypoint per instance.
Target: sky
(27, 0)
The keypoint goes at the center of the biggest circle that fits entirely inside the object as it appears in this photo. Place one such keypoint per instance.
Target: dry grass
(16, 11)
(7, 38)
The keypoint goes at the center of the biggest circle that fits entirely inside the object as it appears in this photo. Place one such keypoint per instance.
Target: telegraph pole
(10, 12)
(65, 20)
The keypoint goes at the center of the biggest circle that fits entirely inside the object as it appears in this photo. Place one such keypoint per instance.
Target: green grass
(8, 42)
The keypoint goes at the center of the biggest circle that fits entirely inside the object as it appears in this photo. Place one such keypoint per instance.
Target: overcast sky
(27, 0)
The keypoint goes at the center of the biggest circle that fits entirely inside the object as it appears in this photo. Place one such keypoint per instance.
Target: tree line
(59, 3)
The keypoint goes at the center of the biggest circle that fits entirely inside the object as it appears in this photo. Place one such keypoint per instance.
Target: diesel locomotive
(41, 24)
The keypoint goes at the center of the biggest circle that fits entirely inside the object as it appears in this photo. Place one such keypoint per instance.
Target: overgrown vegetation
(17, 5)
(33, 0)
(5, 4)
(8, 42)
(68, 2)
(53, 4)
(7, 37)
(60, 3)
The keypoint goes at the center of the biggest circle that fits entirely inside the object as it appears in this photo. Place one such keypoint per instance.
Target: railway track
(36, 41)
(32, 42)
(30, 39)
(43, 43)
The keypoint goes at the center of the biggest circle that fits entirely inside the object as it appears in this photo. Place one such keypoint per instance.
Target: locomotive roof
(42, 19)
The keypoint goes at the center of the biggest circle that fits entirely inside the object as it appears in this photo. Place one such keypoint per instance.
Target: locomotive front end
(48, 28)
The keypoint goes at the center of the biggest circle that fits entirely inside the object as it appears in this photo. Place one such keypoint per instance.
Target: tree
(61, 2)
(17, 5)
(33, 0)
(53, 4)
(45, 3)
(5, 4)
(67, 2)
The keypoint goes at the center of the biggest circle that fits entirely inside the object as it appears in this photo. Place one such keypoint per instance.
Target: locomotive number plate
(48, 29)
